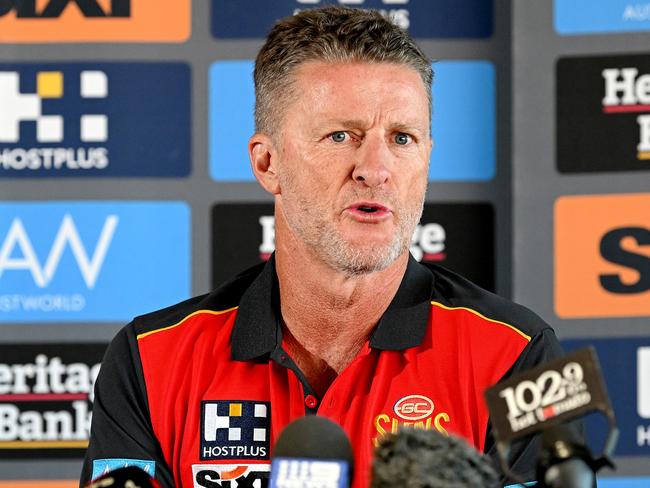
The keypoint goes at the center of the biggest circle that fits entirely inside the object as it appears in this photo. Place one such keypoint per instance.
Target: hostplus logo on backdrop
(19, 108)
(94, 119)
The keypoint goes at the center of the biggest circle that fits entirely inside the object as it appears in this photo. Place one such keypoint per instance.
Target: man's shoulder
(451, 290)
(225, 297)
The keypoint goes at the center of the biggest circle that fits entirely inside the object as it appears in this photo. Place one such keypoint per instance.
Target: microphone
(130, 477)
(542, 400)
(420, 458)
(312, 452)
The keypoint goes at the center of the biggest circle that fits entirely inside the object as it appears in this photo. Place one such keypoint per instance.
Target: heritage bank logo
(94, 20)
(422, 18)
(99, 261)
(625, 363)
(602, 256)
(463, 120)
(46, 395)
(459, 236)
(603, 114)
(83, 119)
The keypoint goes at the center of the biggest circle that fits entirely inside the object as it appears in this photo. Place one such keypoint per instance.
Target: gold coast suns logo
(414, 411)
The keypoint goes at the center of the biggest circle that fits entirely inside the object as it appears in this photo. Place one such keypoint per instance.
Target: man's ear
(264, 155)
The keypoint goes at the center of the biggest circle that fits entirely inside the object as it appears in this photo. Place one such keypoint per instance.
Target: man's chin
(365, 259)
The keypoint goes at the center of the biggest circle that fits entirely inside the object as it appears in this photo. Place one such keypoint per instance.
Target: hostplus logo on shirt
(39, 107)
(235, 429)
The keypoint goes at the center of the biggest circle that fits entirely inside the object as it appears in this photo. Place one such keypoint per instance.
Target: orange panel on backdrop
(97, 21)
(602, 256)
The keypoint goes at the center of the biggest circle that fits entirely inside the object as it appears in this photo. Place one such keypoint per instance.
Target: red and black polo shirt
(204, 388)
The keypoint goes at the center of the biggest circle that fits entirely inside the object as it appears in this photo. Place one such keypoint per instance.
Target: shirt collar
(256, 331)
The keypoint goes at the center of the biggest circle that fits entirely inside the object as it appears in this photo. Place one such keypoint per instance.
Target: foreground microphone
(131, 477)
(312, 452)
(542, 400)
(420, 458)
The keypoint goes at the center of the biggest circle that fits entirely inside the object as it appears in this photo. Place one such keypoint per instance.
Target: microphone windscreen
(418, 458)
(314, 437)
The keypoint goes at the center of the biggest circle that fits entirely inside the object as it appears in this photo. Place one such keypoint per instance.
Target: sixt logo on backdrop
(117, 119)
(422, 18)
(626, 366)
(82, 261)
(463, 121)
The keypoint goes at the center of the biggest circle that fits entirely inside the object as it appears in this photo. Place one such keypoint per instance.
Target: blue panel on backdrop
(464, 121)
(574, 17)
(626, 366)
(463, 124)
(95, 120)
(422, 18)
(632, 482)
(92, 261)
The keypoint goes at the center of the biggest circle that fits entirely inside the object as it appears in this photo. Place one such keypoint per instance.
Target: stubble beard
(326, 241)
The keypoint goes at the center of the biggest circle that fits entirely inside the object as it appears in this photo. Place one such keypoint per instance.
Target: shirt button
(310, 401)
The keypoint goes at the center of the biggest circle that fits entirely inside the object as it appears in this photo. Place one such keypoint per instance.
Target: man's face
(354, 153)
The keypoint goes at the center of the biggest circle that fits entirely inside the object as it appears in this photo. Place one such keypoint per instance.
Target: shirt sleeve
(121, 431)
(524, 453)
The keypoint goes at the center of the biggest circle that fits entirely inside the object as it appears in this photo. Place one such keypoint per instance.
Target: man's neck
(328, 315)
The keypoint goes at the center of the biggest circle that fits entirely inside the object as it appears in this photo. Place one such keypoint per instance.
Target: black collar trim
(256, 331)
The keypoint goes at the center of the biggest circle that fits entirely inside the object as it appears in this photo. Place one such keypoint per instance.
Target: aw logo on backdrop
(463, 123)
(99, 261)
(82, 119)
(422, 18)
(603, 114)
(94, 20)
(626, 366)
(602, 256)
(575, 17)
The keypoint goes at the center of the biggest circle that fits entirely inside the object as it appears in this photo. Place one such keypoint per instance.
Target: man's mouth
(369, 211)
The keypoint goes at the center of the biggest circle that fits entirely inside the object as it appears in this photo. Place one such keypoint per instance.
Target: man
(341, 322)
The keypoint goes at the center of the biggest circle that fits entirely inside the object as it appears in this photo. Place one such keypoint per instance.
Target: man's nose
(374, 160)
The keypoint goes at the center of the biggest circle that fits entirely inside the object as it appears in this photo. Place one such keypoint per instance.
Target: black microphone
(130, 477)
(420, 458)
(542, 400)
(312, 452)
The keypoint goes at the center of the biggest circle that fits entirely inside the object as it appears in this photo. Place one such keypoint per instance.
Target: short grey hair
(330, 34)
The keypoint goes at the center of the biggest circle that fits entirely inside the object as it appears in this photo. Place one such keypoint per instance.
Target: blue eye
(339, 136)
(402, 139)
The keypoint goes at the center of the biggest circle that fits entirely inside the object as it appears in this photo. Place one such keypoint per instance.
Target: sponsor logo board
(459, 236)
(92, 261)
(94, 119)
(463, 123)
(46, 394)
(235, 429)
(602, 256)
(576, 17)
(231, 475)
(422, 18)
(603, 114)
(625, 363)
(30, 21)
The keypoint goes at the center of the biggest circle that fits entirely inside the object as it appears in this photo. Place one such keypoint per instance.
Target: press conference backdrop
(125, 187)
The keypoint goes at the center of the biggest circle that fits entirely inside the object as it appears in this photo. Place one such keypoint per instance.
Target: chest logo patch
(231, 475)
(235, 429)
(413, 407)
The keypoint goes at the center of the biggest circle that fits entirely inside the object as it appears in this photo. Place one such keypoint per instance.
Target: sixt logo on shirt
(235, 429)
(82, 119)
(84, 261)
(231, 475)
